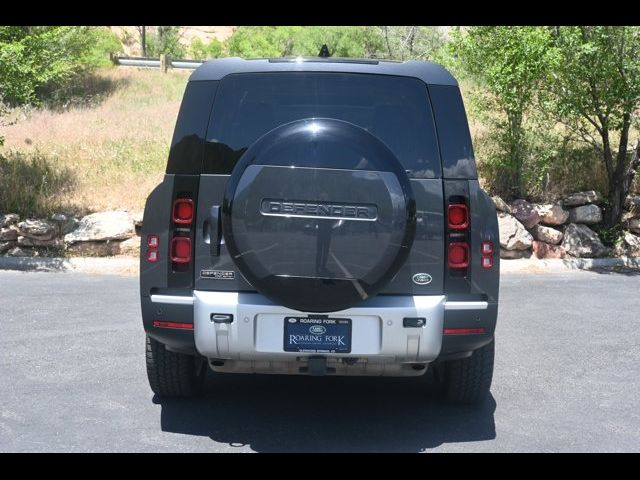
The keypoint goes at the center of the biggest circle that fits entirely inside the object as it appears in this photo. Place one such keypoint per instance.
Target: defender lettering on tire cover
(325, 210)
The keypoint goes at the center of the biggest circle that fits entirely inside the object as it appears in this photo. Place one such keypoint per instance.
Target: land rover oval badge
(422, 279)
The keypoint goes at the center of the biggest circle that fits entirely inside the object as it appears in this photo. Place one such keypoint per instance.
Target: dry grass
(115, 151)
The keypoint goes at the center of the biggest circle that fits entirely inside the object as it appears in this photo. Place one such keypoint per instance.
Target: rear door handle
(213, 230)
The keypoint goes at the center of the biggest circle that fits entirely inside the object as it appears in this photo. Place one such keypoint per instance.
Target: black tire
(467, 381)
(171, 374)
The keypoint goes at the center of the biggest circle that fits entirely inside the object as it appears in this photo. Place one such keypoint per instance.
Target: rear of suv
(320, 217)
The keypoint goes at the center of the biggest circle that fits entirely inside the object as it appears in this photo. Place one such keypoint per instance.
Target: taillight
(183, 211)
(181, 250)
(458, 255)
(458, 216)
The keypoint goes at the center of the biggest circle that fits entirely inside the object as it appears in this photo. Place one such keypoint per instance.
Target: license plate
(317, 335)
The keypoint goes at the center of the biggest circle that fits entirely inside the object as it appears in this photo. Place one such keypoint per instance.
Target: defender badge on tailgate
(218, 274)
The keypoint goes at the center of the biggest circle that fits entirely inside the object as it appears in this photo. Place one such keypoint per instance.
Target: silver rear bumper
(381, 345)
(253, 341)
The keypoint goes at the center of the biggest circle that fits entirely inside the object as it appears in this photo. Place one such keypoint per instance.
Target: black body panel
(458, 346)
(156, 221)
(178, 340)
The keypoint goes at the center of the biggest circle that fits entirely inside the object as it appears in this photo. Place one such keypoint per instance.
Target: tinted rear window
(453, 131)
(395, 109)
(187, 146)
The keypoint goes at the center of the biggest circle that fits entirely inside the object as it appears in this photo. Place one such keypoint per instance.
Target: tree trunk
(621, 176)
(386, 37)
(516, 152)
(621, 186)
(144, 41)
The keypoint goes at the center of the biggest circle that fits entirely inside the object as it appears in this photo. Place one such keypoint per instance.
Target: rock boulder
(9, 219)
(525, 212)
(632, 202)
(4, 246)
(551, 214)
(66, 223)
(546, 234)
(547, 250)
(8, 234)
(114, 225)
(38, 229)
(587, 214)
(580, 241)
(34, 242)
(582, 198)
(629, 245)
(513, 235)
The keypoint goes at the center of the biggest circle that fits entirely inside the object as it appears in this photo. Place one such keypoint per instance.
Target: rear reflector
(183, 211)
(458, 255)
(153, 241)
(458, 216)
(487, 261)
(181, 250)
(463, 331)
(183, 326)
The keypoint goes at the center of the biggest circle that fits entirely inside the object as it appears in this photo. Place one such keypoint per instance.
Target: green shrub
(284, 41)
(103, 42)
(36, 60)
(165, 41)
(202, 51)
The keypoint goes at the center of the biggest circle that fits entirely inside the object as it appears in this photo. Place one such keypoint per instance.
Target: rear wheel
(467, 381)
(172, 374)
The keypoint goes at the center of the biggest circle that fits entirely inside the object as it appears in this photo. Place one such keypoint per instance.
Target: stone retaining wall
(563, 229)
(96, 235)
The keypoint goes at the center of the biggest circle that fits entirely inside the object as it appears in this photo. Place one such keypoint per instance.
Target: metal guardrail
(163, 62)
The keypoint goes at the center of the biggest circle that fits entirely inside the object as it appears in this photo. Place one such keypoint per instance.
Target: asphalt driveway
(72, 378)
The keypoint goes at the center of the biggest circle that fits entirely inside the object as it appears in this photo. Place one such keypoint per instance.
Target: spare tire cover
(318, 215)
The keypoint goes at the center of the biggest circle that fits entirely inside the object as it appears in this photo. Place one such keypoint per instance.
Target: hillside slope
(109, 154)
(131, 38)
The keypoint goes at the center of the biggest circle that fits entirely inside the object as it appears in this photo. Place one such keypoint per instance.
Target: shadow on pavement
(34, 264)
(622, 270)
(271, 413)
